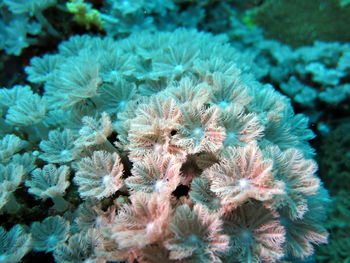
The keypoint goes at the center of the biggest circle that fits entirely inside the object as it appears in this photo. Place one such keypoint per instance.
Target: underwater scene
(175, 131)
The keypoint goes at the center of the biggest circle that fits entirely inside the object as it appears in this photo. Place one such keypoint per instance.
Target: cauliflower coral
(178, 154)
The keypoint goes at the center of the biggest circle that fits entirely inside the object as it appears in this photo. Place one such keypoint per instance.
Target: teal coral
(48, 234)
(14, 244)
(170, 128)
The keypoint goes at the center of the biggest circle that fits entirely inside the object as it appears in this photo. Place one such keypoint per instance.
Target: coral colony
(177, 152)
(160, 147)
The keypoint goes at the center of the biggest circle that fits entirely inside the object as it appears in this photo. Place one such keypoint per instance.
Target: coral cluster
(177, 154)
(22, 22)
(310, 75)
(129, 16)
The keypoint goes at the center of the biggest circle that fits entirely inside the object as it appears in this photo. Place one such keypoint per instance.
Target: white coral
(241, 174)
(11, 176)
(100, 175)
(9, 145)
(95, 132)
(50, 182)
(59, 148)
(28, 111)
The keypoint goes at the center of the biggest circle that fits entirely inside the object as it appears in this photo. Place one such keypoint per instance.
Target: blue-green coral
(171, 127)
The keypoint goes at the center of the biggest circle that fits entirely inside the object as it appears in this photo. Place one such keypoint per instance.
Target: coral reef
(334, 170)
(315, 77)
(301, 22)
(21, 21)
(177, 154)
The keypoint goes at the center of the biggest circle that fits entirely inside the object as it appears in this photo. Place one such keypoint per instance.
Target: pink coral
(242, 174)
(100, 175)
(179, 155)
(201, 130)
(143, 222)
(152, 128)
(155, 173)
